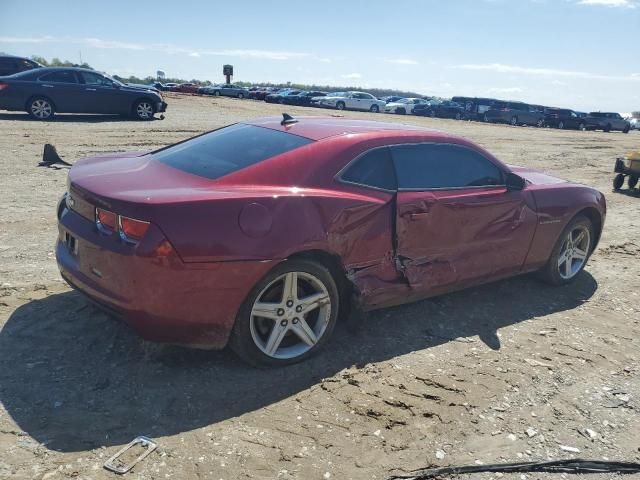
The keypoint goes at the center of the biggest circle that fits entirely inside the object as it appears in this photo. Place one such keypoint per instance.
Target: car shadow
(629, 192)
(74, 378)
(71, 118)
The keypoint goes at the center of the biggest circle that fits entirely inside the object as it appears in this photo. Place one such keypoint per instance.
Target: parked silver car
(227, 91)
(350, 101)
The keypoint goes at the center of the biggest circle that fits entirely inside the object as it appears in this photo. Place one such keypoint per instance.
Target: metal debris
(117, 466)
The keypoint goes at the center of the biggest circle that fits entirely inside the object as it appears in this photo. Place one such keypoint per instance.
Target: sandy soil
(514, 370)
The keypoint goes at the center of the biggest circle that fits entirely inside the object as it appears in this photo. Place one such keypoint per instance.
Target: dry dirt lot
(514, 370)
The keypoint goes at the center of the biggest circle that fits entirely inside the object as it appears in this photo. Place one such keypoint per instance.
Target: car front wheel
(40, 108)
(288, 316)
(374, 108)
(571, 252)
(143, 110)
(340, 105)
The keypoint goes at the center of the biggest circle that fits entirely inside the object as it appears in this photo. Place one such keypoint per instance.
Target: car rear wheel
(618, 181)
(582, 127)
(561, 125)
(514, 121)
(607, 128)
(458, 116)
(626, 129)
(241, 95)
(540, 123)
(288, 316)
(374, 109)
(632, 181)
(340, 105)
(571, 252)
(40, 108)
(217, 93)
(400, 111)
(143, 110)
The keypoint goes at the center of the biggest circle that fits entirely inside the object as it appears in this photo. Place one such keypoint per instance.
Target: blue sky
(582, 54)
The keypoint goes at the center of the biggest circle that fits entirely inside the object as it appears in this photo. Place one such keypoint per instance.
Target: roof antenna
(287, 120)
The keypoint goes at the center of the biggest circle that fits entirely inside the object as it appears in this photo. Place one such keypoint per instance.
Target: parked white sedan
(351, 101)
(404, 105)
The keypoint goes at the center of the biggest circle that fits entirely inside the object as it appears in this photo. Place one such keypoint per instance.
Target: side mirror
(515, 182)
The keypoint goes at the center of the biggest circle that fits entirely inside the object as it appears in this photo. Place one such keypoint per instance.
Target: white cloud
(402, 61)
(505, 90)
(159, 47)
(514, 69)
(351, 76)
(611, 3)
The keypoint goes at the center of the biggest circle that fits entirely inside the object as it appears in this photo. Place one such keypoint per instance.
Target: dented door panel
(451, 236)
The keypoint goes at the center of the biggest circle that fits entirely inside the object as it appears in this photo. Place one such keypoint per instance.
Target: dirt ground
(511, 371)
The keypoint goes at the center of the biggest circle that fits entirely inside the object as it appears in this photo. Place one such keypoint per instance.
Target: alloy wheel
(574, 252)
(144, 110)
(41, 109)
(290, 315)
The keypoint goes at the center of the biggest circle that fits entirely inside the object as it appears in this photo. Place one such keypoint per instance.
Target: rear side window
(59, 77)
(373, 169)
(425, 167)
(228, 149)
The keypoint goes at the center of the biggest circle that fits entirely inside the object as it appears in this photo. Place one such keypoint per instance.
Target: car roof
(318, 128)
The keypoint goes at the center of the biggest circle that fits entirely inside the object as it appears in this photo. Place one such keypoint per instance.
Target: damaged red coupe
(257, 235)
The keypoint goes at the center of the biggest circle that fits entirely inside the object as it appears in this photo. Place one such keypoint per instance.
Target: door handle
(414, 217)
(90, 89)
(48, 86)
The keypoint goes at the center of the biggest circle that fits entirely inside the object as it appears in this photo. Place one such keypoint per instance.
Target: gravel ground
(511, 371)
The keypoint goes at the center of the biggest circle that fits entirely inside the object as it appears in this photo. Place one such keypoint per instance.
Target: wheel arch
(139, 99)
(595, 217)
(347, 291)
(26, 104)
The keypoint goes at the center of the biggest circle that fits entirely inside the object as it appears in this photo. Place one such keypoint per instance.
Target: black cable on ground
(562, 466)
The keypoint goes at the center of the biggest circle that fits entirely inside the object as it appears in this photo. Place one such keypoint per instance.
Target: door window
(373, 169)
(60, 76)
(91, 78)
(432, 166)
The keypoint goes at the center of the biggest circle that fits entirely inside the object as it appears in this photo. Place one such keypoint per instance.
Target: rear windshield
(228, 149)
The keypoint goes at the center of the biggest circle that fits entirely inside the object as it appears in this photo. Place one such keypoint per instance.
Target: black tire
(626, 129)
(143, 109)
(281, 101)
(618, 181)
(374, 109)
(399, 111)
(242, 341)
(40, 108)
(485, 118)
(607, 128)
(514, 121)
(561, 125)
(340, 105)
(632, 181)
(582, 127)
(540, 123)
(216, 93)
(550, 273)
(241, 96)
(458, 116)
(432, 113)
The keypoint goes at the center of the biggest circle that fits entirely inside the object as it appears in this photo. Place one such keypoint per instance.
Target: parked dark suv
(515, 113)
(10, 65)
(563, 118)
(607, 121)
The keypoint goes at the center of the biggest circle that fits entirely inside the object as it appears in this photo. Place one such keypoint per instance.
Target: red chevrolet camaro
(258, 234)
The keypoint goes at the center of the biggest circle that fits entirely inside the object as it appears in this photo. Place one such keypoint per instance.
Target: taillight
(106, 219)
(133, 229)
(3, 86)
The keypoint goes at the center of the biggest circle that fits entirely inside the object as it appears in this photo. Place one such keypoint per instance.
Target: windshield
(228, 149)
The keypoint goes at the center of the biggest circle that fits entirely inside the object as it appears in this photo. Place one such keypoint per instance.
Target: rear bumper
(159, 296)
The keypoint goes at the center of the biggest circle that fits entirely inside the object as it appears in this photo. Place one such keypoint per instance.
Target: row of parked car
(460, 108)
